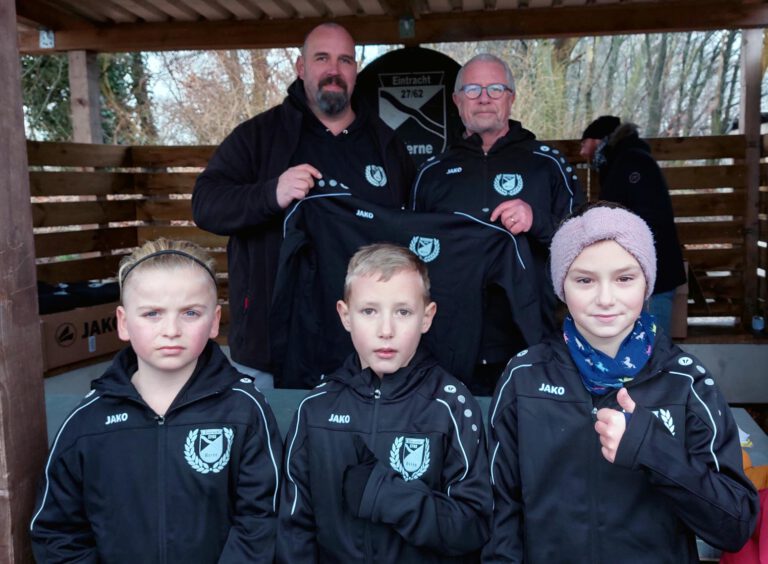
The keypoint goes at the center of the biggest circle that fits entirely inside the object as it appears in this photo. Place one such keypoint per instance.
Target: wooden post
(22, 407)
(749, 120)
(85, 104)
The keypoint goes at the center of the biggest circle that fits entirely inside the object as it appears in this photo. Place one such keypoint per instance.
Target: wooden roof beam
(48, 16)
(567, 21)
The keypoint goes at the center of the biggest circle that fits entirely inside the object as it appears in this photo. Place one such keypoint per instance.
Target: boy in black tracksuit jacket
(130, 482)
(385, 459)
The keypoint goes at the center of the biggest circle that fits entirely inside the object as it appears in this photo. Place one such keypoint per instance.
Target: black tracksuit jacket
(632, 177)
(464, 256)
(677, 473)
(199, 485)
(466, 179)
(236, 196)
(428, 498)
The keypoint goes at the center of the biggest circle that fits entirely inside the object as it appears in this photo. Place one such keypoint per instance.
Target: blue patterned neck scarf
(601, 373)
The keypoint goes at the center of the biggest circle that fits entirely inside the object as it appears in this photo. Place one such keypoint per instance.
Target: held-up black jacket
(465, 179)
(464, 256)
(631, 177)
(124, 485)
(677, 472)
(236, 196)
(428, 498)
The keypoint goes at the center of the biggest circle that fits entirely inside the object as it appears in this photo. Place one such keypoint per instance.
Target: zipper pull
(160, 420)
(594, 414)
(376, 393)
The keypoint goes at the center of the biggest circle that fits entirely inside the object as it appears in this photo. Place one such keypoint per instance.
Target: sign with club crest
(426, 248)
(409, 457)
(207, 450)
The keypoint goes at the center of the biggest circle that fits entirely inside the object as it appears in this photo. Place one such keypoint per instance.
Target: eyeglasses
(494, 91)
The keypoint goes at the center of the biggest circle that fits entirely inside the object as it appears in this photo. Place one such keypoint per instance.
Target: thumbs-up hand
(611, 424)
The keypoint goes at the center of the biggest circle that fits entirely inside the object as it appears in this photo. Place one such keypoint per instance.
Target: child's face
(386, 319)
(605, 292)
(168, 315)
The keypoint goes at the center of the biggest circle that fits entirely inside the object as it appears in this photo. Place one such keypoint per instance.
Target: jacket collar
(213, 374)
(515, 134)
(392, 386)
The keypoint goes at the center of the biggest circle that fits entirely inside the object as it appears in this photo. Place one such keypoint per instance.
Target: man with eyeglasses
(499, 173)
(319, 140)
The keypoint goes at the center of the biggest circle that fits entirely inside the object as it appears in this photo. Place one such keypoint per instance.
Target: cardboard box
(79, 334)
(679, 324)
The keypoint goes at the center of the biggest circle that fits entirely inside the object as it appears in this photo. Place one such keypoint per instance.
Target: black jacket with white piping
(124, 485)
(677, 471)
(428, 498)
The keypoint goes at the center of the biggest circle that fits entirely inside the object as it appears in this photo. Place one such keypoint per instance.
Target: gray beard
(332, 103)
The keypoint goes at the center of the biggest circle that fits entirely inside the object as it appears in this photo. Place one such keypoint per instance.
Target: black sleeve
(565, 196)
(296, 533)
(252, 535)
(506, 544)
(703, 480)
(230, 195)
(60, 529)
(451, 522)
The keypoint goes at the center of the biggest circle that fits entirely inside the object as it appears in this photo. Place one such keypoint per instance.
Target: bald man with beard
(319, 139)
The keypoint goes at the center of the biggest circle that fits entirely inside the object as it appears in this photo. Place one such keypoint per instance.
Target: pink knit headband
(602, 223)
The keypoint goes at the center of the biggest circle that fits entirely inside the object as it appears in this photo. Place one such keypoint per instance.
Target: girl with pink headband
(609, 443)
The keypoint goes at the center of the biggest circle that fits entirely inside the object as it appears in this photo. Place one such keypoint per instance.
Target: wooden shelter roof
(156, 25)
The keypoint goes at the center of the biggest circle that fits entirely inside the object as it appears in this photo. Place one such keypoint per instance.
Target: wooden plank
(82, 213)
(23, 439)
(194, 234)
(683, 177)
(164, 210)
(704, 204)
(50, 16)
(160, 183)
(85, 241)
(563, 21)
(710, 232)
(717, 309)
(74, 183)
(77, 154)
(99, 183)
(696, 148)
(154, 156)
(714, 259)
(96, 268)
(723, 287)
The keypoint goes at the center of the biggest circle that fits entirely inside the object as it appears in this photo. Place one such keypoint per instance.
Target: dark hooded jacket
(677, 472)
(630, 176)
(236, 196)
(124, 485)
(428, 497)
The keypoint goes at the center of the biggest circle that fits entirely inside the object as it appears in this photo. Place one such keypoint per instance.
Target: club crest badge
(665, 417)
(508, 184)
(207, 450)
(409, 457)
(375, 176)
(426, 248)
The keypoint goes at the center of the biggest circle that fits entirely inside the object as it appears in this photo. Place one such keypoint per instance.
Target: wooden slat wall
(129, 195)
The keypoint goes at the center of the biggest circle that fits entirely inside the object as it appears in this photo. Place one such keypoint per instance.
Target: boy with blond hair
(386, 458)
